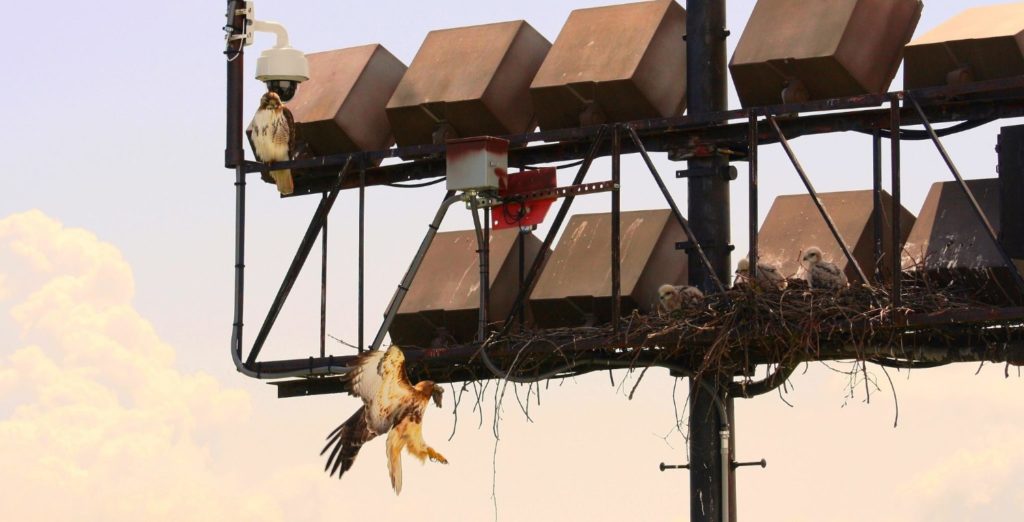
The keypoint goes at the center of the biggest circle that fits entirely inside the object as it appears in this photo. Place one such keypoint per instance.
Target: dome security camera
(281, 67)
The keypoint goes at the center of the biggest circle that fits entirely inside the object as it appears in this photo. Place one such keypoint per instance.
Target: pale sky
(118, 399)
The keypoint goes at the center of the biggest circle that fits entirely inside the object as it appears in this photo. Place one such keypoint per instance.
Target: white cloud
(102, 425)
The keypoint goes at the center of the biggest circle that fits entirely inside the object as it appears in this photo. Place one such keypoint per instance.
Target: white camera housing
(281, 67)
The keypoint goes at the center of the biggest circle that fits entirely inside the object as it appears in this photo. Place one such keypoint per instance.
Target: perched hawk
(273, 138)
(390, 403)
(768, 276)
(820, 273)
(672, 298)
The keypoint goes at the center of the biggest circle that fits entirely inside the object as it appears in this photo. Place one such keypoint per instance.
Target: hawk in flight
(820, 273)
(273, 138)
(390, 404)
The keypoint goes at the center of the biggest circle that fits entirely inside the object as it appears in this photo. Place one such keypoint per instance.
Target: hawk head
(437, 392)
(667, 293)
(743, 267)
(811, 257)
(271, 101)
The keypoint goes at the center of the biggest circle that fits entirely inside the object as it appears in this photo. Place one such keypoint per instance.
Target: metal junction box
(476, 163)
(794, 223)
(575, 287)
(821, 49)
(442, 303)
(469, 81)
(341, 107)
(614, 63)
(983, 43)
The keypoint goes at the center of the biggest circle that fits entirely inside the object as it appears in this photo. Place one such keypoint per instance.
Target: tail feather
(346, 441)
(394, 447)
(283, 178)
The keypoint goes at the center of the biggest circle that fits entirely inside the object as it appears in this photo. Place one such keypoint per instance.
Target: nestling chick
(820, 273)
(672, 297)
(768, 276)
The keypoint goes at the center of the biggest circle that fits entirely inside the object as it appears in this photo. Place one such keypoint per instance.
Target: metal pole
(753, 218)
(521, 240)
(701, 255)
(989, 229)
(895, 122)
(323, 287)
(234, 154)
(410, 273)
(817, 201)
(305, 247)
(709, 217)
(616, 228)
(876, 212)
(362, 259)
(233, 158)
(482, 241)
(730, 406)
(549, 238)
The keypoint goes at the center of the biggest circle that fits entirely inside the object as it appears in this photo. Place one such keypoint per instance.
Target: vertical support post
(895, 122)
(521, 240)
(305, 247)
(616, 227)
(410, 273)
(549, 238)
(876, 211)
(697, 248)
(483, 257)
(233, 157)
(817, 201)
(752, 223)
(709, 217)
(730, 406)
(1010, 147)
(237, 323)
(485, 274)
(323, 287)
(975, 206)
(234, 154)
(362, 259)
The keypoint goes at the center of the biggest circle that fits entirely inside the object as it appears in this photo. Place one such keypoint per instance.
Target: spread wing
(379, 380)
(390, 403)
(347, 440)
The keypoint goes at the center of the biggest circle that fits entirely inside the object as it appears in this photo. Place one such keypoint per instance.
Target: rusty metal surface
(983, 43)
(577, 279)
(793, 224)
(948, 235)
(976, 101)
(834, 47)
(341, 107)
(476, 79)
(616, 63)
(445, 292)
